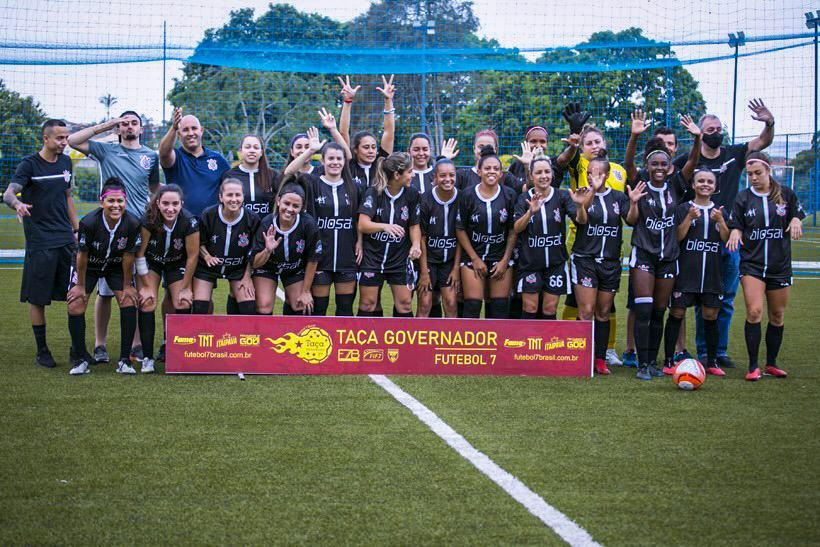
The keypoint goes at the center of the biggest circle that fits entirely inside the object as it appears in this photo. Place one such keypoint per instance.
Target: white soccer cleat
(124, 367)
(147, 366)
(80, 368)
(613, 359)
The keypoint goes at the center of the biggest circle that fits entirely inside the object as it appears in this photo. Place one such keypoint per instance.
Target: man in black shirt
(49, 223)
(727, 163)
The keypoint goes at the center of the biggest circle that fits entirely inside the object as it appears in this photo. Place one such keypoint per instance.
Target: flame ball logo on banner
(254, 344)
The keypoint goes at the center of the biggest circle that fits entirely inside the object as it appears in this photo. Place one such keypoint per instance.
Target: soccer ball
(689, 374)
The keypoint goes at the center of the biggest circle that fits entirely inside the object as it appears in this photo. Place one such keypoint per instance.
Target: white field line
(568, 530)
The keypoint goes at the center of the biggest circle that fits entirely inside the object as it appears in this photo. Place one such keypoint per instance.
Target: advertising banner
(255, 344)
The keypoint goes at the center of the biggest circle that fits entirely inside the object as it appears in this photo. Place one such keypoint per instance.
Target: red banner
(256, 344)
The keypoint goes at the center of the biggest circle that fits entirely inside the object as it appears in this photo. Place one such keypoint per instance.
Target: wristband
(386, 112)
(142, 265)
(770, 124)
(348, 101)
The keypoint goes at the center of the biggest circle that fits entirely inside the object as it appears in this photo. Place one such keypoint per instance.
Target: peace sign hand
(388, 89)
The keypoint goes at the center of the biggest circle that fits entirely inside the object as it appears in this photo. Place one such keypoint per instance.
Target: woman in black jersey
(653, 260)
(259, 181)
(389, 222)
(484, 228)
(596, 251)
(701, 231)
(332, 199)
(169, 251)
(298, 144)
(287, 247)
(420, 151)
(468, 177)
(440, 261)
(541, 269)
(226, 233)
(765, 218)
(107, 239)
(364, 148)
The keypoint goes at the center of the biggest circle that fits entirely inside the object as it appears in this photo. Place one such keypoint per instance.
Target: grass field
(158, 459)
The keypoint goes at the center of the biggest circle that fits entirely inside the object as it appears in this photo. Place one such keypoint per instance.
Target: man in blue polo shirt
(196, 169)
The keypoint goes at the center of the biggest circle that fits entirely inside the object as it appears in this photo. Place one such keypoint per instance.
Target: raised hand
(272, 239)
(573, 140)
(596, 180)
(388, 89)
(689, 124)
(528, 153)
(348, 91)
(636, 193)
(450, 149)
(760, 111)
(177, 118)
(575, 117)
(313, 139)
(638, 122)
(328, 120)
(582, 196)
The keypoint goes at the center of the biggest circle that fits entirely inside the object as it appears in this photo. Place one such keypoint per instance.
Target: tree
(20, 126)
(508, 102)
(108, 101)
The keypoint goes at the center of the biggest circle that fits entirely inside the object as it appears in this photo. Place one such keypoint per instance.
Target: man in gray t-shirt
(137, 166)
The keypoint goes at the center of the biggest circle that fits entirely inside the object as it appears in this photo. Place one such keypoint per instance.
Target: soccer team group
(511, 241)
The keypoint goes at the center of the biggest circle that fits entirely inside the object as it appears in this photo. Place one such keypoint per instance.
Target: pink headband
(113, 191)
(764, 162)
(535, 128)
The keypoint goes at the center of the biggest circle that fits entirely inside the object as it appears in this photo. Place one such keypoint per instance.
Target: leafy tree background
(20, 127)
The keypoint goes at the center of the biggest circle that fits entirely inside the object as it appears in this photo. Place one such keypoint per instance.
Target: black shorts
(689, 299)
(113, 278)
(773, 282)
(440, 274)
(284, 278)
(326, 277)
(552, 280)
(46, 275)
(603, 274)
(661, 269)
(170, 273)
(376, 279)
(212, 274)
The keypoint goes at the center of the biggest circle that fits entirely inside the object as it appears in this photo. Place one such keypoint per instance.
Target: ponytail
(775, 189)
(388, 168)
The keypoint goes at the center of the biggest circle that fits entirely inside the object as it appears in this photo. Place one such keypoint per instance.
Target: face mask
(713, 140)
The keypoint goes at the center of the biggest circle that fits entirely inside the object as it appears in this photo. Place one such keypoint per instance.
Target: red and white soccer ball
(689, 374)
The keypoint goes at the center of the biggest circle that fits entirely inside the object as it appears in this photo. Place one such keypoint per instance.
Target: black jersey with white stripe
(699, 259)
(487, 222)
(438, 224)
(543, 243)
(382, 251)
(106, 244)
(256, 199)
(364, 175)
(422, 180)
(168, 245)
(602, 235)
(519, 170)
(467, 177)
(763, 223)
(655, 230)
(230, 241)
(299, 245)
(334, 206)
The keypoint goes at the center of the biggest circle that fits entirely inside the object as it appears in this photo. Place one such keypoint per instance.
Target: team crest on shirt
(781, 209)
(531, 278)
(212, 164)
(67, 175)
(300, 246)
(556, 214)
(586, 282)
(121, 243)
(405, 213)
(145, 162)
(177, 244)
(615, 208)
(243, 240)
(618, 176)
(502, 215)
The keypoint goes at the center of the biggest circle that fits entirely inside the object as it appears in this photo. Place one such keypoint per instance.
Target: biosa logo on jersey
(602, 230)
(537, 242)
(331, 223)
(441, 242)
(702, 246)
(658, 224)
(766, 233)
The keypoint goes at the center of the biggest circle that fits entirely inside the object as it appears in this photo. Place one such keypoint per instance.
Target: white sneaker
(80, 368)
(123, 367)
(147, 366)
(613, 359)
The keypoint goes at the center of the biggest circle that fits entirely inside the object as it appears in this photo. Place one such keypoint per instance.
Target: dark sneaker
(160, 354)
(643, 373)
(723, 361)
(136, 354)
(44, 359)
(630, 359)
(682, 354)
(100, 355)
